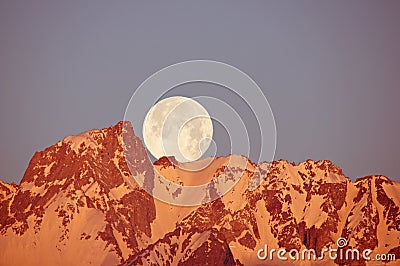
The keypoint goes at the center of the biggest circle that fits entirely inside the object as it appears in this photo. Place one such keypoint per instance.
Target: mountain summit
(78, 203)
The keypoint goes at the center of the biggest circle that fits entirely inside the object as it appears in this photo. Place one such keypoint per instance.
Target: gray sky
(330, 70)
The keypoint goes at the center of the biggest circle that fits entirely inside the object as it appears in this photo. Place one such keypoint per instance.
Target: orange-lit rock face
(78, 203)
(81, 188)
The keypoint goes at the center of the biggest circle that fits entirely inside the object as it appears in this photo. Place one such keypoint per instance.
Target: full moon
(178, 126)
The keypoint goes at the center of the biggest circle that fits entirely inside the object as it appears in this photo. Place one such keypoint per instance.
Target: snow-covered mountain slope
(7, 190)
(79, 204)
(305, 206)
(195, 247)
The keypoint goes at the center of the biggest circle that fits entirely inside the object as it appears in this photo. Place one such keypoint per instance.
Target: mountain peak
(82, 188)
(166, 161)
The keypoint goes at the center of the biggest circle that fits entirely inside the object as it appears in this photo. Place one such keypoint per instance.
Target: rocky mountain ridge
(78, 203)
